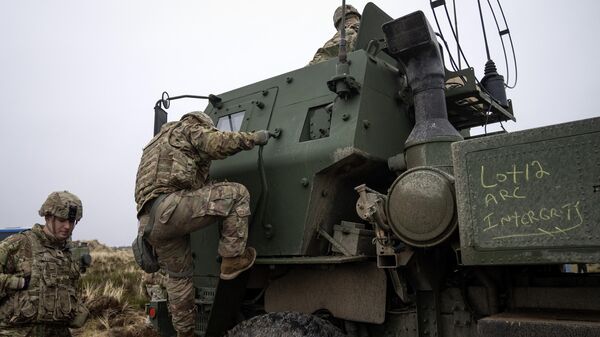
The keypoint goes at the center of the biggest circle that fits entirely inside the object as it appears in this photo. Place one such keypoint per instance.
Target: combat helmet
(201, 117)
(337, 15)
(64, 205)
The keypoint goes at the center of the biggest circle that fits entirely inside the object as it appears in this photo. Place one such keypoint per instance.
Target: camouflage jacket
(331, 48)
(179, 156)
(51, 294)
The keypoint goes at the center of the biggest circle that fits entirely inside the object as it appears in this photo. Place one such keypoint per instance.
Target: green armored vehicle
(374, 214)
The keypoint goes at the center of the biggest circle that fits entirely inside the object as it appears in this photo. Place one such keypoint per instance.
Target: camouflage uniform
(331, 48)
(176, 163)
(155, 286)
(47, 305)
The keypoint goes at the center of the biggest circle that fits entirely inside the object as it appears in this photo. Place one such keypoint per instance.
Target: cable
(501, 33)
(512, 47)
(441, 36)
(501, 41)
(455, 36)
(435, 4)
(452, 62)
(456, 24)
(487, 49)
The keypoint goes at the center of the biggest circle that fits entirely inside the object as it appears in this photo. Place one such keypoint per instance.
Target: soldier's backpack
(143, 252)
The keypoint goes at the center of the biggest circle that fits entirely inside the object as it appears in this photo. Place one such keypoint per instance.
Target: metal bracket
(333, 241)
(344, 85)
(400, 287)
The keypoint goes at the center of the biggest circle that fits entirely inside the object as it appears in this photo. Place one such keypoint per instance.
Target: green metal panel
(530, 196)
(370, 29)
(364, 124)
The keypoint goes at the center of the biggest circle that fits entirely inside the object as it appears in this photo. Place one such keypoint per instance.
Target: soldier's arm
(8, 260)
(324, 53)
(319, 57)
(218, 144)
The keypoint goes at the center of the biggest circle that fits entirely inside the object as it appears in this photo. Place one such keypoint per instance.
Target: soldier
(332, 47)
(173, 188)
(38, 276)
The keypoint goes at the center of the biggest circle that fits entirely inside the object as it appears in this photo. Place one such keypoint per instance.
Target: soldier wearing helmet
(331, 48)
(175, 197)
(38, 276)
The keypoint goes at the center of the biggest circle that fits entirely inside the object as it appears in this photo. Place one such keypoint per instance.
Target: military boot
(231, 267)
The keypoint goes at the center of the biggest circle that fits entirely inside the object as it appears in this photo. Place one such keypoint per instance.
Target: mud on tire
(288, 324)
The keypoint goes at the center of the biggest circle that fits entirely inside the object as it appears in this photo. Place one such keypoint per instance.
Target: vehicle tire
(288, 324)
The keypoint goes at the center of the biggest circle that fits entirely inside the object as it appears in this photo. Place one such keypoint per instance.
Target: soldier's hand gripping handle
(261, 137)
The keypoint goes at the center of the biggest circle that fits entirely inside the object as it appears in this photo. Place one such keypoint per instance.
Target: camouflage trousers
(35, 331)
(183, 212)
(155, 285)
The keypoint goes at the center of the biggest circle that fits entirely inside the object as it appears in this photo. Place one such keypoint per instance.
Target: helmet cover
(202, 117)
(337, 15)
(64, 205)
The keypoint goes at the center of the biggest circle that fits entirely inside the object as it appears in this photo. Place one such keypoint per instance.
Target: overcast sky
(79, 79)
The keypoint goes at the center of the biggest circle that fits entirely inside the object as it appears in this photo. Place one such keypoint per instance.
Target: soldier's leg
(186, 211)
(170, 238)
(234, 231)
(176, 217)
(174, 256)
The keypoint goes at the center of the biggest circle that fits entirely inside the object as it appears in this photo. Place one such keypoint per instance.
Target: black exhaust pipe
(411, 41)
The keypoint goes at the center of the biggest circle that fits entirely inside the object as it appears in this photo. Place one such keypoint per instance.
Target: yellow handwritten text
(542, 221)
(517, 174)
(503, 195)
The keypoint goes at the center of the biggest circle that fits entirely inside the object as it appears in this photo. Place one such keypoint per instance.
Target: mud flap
(227, 304)
(159, 316)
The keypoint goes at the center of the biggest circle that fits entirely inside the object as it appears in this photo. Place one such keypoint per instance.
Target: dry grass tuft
(112, 291)
(96, 246)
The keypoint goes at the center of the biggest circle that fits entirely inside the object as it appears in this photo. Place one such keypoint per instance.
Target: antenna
(491, 81)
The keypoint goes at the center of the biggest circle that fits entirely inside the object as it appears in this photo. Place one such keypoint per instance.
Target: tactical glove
(261, 137)
(15, 283)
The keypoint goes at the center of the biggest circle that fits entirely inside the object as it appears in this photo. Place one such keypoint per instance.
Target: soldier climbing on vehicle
(175, 196)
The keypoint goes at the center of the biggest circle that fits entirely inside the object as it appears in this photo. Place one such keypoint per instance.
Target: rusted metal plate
(530, 196)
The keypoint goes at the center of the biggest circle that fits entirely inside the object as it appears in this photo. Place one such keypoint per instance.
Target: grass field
(112, 291)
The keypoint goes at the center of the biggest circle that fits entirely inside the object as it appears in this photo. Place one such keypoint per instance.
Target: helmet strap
(50, 226)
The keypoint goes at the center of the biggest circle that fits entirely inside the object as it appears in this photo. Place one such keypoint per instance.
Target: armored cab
(375, 214)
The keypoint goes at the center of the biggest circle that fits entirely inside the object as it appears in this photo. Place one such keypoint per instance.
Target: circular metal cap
(421, 207)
